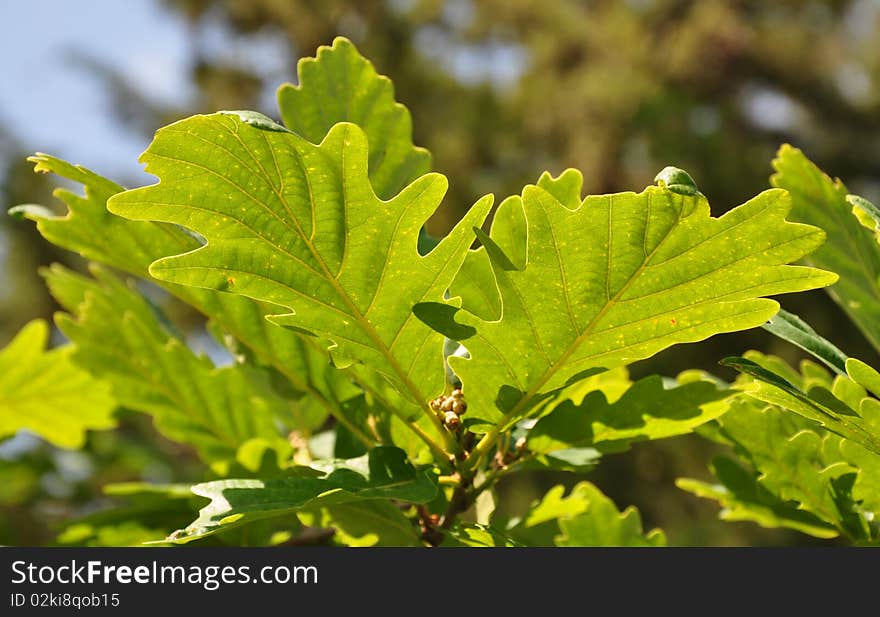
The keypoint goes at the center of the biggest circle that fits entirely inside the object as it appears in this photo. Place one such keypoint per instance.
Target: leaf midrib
(552, 369)
(363, 322)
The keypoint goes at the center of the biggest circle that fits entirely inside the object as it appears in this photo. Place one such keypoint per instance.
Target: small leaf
(475, 535)
(584, 517)
(800, 477)
(373, 522)
(46, 393)
(744, 499)
(863, 375)
(647, 410)
(603, 525)
(818, 404)
(677, 180)
(867, 213)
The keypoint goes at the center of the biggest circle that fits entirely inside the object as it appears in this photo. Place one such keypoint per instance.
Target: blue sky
(51, 105)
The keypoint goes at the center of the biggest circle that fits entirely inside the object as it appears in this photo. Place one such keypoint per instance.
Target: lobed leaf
(340, 85)
(647, 410)
(795, 474)
(300, 226)
(374, 522)
(90, 230)
(383, 473)
(850, 251)
(743, 498)
(584, 517)
(121, 340)
(842, 407)
(46, 393)
(589, 285)
(358, 95)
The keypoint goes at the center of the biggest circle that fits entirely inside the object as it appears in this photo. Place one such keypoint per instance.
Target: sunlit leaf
(793, 474)
(597, 284)
(45, 393)
(851, 251)
(340, 85)
(583, 517)
(647, 410)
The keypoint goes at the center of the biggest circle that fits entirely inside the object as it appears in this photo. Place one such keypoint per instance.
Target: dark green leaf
(384, 473)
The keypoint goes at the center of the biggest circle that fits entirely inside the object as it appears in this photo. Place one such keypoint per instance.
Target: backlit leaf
(46, 393)
(299, 225)
(120, 340)
(851, 251)
(647, 410)
(617, 279)
(340, 85)
(584, 517)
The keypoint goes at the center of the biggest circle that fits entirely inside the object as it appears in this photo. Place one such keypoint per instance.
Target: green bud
(677, 180)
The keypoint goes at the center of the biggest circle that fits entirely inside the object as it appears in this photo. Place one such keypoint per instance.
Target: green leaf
(647, 410)
(475, 284)
(743, 498)
(340, 85)
(299, 225)
(677, 180)
(125, 533)
(603, 525)
(576, 460)
(800, 479)
(90, 230)
(618, 279)
(120, 339)
(584, 517)
(825, 407)
(789, 327)
(131, 246)
(45, 393)
(866, 490)
(384, 473)
(850, 250)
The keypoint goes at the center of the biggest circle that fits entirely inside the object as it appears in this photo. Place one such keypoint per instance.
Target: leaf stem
(469, 465)
(493, 476)
(442, 456)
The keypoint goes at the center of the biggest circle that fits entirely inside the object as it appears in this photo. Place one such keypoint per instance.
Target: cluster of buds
(450, 408)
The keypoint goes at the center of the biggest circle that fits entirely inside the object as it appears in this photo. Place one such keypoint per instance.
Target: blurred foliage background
(499, 91)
